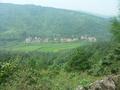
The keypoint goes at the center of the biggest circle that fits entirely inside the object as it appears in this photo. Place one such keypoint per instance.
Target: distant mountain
(18, 22)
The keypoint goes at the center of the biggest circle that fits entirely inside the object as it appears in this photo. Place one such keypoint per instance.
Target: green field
(44, 47)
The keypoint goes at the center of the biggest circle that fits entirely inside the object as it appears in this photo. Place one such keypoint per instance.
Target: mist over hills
(18, 22)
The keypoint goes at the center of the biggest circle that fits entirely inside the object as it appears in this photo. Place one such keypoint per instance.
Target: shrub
(79, 61)
(6, 69)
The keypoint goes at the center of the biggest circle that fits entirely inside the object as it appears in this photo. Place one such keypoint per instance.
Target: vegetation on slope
(58, 71)
(63, 70)
(22, 21)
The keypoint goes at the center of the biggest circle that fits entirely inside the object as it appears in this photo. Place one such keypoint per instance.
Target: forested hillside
(18, 22)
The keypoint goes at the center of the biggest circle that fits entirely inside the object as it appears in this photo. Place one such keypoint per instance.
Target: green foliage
(6, 69)
(86, 58)
(116, 29)
(59, 70)
(24, 67)
(100, 50)
(111, 63)
(79, 60)
(19, 22)
(42, 71)
(43, 47)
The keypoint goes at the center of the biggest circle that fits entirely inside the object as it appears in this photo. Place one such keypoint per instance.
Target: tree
(79, 61)
(116, 29)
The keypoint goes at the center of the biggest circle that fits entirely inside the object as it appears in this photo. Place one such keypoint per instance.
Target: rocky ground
(108, 83)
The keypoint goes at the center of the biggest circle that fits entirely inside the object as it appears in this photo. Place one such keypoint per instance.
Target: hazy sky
(102, 7)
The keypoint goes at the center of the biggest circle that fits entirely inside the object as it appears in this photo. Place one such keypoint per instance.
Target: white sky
(101, 7)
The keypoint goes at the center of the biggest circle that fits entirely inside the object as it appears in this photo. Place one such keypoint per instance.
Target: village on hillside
(62, 39)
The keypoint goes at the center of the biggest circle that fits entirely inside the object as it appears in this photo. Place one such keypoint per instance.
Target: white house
(28, 40)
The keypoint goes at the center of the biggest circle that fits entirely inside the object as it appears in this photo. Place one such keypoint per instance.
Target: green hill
(18, 22)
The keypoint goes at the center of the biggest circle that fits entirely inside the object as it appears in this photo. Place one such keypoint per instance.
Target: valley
(45, 48)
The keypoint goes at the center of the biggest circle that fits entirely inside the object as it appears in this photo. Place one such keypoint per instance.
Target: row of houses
(45, 40)
(88, 38)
